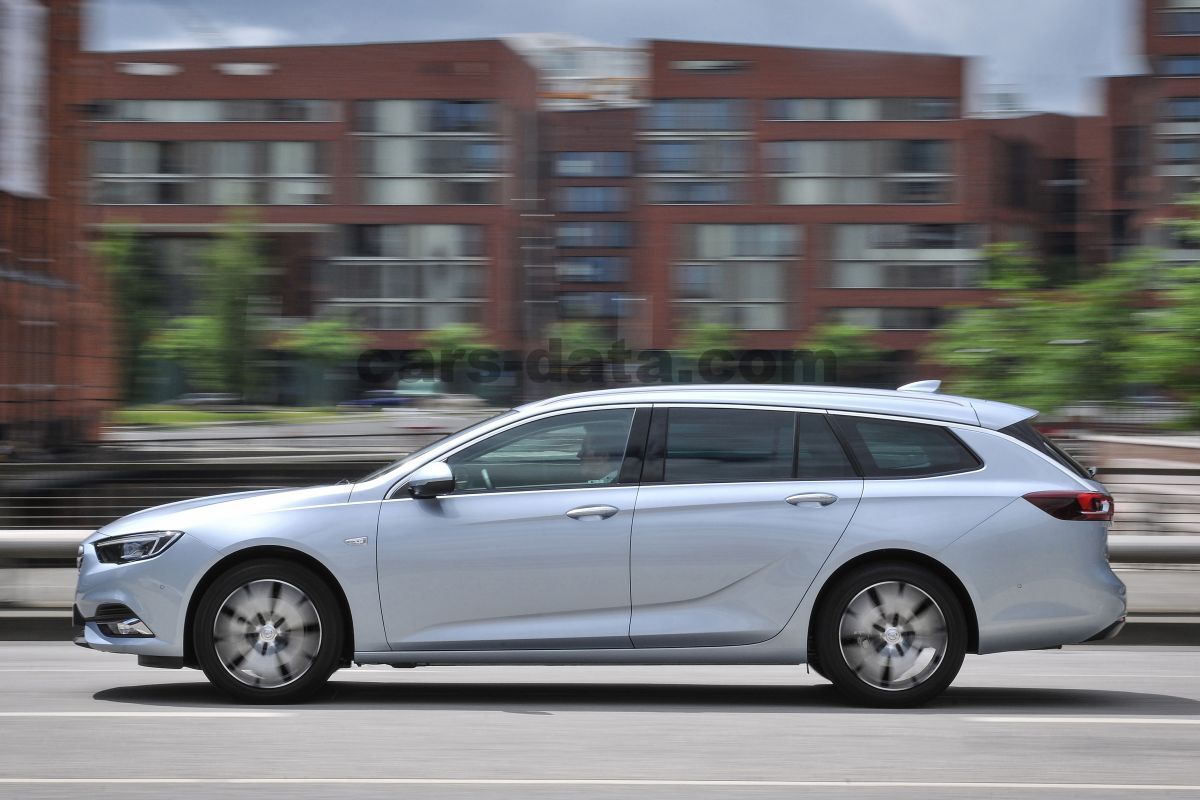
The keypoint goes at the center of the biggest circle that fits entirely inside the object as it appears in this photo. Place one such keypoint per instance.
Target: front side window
(561, 452)
(728, 445)
(887, 448)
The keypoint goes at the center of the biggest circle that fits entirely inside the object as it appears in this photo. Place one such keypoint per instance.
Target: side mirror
(431, 480)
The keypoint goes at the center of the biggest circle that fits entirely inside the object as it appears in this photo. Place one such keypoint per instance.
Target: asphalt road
(1081, 722)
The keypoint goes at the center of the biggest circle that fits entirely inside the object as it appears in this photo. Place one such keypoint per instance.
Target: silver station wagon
(877, 536)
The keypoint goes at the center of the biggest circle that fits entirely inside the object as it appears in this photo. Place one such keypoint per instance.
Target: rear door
(738, 509)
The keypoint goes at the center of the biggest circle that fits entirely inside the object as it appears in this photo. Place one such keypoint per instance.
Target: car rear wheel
(891, 636)
(268, 632)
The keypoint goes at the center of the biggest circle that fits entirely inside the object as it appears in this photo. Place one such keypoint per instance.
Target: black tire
(284, 664)
(891, 636)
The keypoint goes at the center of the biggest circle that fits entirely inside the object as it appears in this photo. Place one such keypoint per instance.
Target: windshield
(417, 454)
(1030, 436)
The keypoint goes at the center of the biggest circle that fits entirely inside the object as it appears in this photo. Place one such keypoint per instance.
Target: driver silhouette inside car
(601, 453)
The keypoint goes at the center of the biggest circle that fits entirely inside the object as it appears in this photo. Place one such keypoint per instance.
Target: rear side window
(887, 448)
(1028, 434)
(728, 445)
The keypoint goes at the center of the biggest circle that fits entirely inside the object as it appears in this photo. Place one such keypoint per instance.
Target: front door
(531, 549)
(738, 510)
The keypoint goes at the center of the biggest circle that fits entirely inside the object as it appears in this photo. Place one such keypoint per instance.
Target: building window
(894, 319)
(595, 234)
(1181, 151)
(589, 199)
(425, 116)
(697, 156)
(1179, 66)
(414, 156)
(696, 115)
(734, 274)
(209, 173)
(933, 256)
(279, 110)
(1179, 23)
(846, 172)
(596, 269)
(594, 305)
(1182, 109)
(593, 165)
(695, 192)
(414, 241)
(406, 277)
(834, 109)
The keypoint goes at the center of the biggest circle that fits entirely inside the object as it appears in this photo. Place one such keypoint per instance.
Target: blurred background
(239, 249)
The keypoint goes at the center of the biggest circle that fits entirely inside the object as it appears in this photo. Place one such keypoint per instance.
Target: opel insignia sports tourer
(877, 536)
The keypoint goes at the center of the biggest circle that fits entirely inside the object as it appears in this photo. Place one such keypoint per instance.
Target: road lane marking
(533, 782)
(1093, 720)
(150, 714)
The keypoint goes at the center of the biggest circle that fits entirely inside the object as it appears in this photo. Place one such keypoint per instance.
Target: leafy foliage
(1044, 348)
(135, 296)
(190, 342)
(323, 341)
(708, 336)
(850, 344)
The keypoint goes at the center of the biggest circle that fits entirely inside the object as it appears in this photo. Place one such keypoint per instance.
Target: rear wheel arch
(264, 552)
(896, 556)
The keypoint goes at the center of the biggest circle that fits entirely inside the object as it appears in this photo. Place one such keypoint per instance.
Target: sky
(1048, 51)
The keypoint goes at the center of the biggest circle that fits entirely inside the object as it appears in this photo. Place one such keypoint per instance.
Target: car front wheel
(268, 632)
(891, 636)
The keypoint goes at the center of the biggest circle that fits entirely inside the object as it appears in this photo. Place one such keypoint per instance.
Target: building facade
(412, 186)
(56, 371)
(389, 181)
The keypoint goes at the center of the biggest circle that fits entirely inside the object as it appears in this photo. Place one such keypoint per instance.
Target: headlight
(135, 546)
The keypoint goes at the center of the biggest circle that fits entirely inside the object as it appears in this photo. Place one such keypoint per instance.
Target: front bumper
(1110, 632)
(156, 590)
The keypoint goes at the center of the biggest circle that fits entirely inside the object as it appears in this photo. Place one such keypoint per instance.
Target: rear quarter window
(1025, 432)
(887, 448)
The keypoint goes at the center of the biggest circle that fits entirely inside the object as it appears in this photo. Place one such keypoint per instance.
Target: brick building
(388, 179)
(56, 374)
(414, 185)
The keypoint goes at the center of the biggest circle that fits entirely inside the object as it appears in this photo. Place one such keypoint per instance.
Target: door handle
(820, 498)
(583, 512)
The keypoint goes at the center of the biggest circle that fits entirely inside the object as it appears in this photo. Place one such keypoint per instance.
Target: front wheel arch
(275, 552)
(895, 556)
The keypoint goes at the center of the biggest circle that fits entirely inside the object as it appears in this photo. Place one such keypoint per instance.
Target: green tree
(707, 336)
(191, 343)
(459, 337)
(1166, 350)
(136, 293)
(851, 344)
(857, 360)
(215, 345)
(234, 264)
(579, 337)
(325, 342)
(1039, 347)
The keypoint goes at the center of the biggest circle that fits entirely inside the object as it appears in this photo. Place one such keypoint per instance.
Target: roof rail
(921, 386)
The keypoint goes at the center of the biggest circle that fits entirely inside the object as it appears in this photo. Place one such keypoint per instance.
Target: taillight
(1074, 505)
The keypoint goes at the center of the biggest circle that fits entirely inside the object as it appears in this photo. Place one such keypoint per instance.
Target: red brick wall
(56, 371)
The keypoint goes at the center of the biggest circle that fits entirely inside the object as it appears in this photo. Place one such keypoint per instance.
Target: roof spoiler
(921, 386)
